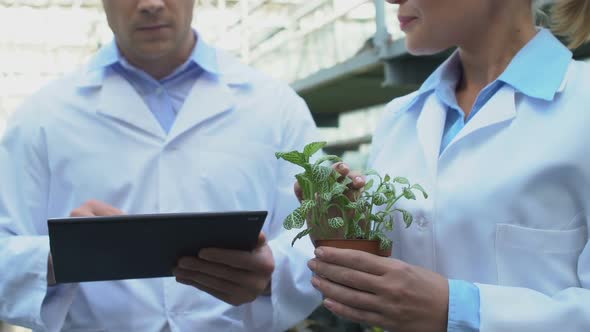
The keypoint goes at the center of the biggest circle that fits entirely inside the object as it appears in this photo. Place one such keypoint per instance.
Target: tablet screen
(143, 246)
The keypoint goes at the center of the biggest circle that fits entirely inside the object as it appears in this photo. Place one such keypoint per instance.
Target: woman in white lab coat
(498, 136)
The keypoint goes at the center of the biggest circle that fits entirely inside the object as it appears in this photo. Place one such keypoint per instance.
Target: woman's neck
(491, 50)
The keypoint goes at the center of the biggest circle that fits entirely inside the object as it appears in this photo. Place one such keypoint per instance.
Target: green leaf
(389, 223)
(304, 183)
(390, 191)
(307, 205)
(294, 220)
(331, 158)
(301, 234)
(336, 222)
(288, 222)
(294, 157)
(407, 216)
(323, 187)
(351, 205)
(327, 197)
(386, 178)
(384, 241)
(381, 214)
(419, 187)
(358, 231)
(364, 205)
(379, 199)
(375, 218)
(312, 148)
(360, 205)
(369, 172)
(346, 181)
(342, 200)
(338, 189)
(401, 180)
(409, 194)
(320, 174)
(369, 185)
(298, 218)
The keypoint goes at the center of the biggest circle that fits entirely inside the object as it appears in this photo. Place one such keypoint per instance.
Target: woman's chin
(418, 48)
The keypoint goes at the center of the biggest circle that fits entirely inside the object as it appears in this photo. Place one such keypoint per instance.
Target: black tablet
(143, 246)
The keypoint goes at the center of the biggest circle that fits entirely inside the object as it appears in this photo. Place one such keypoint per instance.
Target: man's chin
(154, 52)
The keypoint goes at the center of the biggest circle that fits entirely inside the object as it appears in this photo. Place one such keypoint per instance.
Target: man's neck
(162, 67)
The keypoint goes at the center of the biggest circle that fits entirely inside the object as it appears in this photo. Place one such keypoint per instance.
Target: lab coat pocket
(544, 260)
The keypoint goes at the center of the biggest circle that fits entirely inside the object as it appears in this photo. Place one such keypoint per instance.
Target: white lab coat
(90, 136)
(509, 201)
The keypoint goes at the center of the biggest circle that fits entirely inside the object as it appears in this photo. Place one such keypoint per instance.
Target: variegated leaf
(307, 205)
(294, 220)
(288, 222)
(304, 183)
(324, 187)
(371, 172)
(419, 187)
(407, 216)
(294, 157)
(326, 196)
(380, 199)
(401, 180)
(301, 235)
(336, 222)
(389, 223)
(358, 231)
(298, 218)
(369, 185)
(331, 158)
(320, 173)
(409, 194)
(338, 189)
(384, 241)
(347, 180)
(312, 148)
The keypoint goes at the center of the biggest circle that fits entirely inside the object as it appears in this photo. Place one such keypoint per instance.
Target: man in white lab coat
(158, 121)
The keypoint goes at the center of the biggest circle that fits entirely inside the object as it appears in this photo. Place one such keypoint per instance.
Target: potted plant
(342, 218)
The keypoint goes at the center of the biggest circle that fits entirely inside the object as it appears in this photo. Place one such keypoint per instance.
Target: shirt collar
(203, 55)
(538, 70)
(447, 73)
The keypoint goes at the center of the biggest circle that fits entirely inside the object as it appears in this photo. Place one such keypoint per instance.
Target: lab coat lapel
(120, 101)
(209, 97)
(501, 107)
(429, 127)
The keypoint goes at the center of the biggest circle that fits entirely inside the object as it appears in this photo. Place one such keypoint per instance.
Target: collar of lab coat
(203, 55)
(538, 70)
(210, 96)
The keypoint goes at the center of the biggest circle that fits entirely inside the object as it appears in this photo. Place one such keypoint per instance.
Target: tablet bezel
(143, 245)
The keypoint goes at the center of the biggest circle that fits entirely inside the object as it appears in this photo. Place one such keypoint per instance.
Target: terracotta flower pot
(370, 246)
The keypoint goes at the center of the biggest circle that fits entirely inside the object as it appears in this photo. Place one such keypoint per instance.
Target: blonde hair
(571, 19)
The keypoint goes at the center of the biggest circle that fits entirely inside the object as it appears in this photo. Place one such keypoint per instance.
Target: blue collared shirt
(166, 96)
(542, 54)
